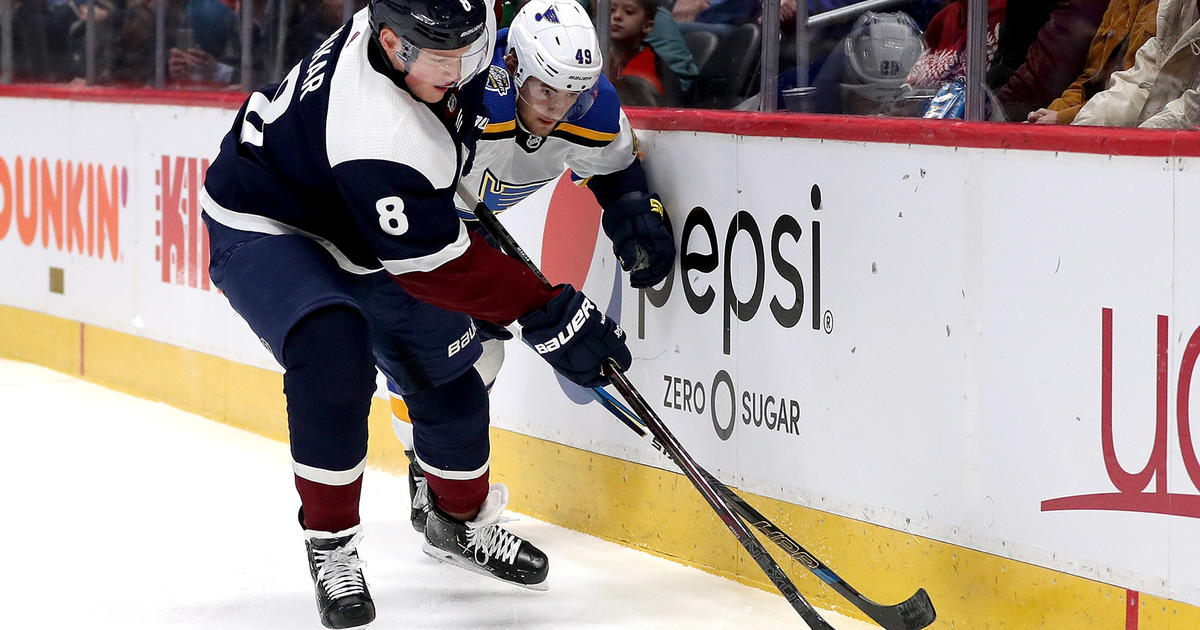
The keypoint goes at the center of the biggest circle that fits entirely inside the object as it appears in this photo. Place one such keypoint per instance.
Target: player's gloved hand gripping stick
(912, 614)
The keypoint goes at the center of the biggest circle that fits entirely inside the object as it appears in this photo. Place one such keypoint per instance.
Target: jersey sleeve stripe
(263, 225)
(500, 127)
(432, 261)
(584, 132)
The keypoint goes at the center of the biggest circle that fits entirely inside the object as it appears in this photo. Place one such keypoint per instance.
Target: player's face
(541, 106)
(432, 72)
(429, 73)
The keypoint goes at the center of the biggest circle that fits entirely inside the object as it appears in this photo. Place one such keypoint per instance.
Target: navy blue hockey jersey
(342, 153)
(339, 152)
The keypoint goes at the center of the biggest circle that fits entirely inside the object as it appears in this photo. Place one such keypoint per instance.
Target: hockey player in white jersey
(333, 233)
(551, 109)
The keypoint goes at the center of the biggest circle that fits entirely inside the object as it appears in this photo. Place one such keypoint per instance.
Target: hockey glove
(641, 236)
(576, 338)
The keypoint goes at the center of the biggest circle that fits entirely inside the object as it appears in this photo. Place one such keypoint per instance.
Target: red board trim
(985, 135)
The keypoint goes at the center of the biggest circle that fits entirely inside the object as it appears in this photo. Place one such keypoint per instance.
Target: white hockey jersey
(510, 164)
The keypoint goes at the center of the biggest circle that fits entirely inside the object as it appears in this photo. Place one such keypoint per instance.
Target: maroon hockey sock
(458, 496)
(329, 508)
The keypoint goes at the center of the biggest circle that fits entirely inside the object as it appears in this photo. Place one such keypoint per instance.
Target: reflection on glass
(1062, 62)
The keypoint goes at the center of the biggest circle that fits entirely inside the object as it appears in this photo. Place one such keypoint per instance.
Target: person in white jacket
(1162, 89)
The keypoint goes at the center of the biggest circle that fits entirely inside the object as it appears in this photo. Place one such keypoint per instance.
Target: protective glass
(555, 104)
(445, 68)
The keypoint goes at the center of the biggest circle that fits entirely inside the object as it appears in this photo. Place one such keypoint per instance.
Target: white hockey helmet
(879, 53)
(555, 42)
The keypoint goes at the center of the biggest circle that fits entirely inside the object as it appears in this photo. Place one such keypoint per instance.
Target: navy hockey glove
(576, 338)
(641, 236)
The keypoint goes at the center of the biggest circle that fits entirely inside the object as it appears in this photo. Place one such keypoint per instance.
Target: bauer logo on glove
(575, 337)
(577, 321)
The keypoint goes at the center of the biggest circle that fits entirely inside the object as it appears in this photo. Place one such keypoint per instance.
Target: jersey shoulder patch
(500, 99)
(600, 125)
(500, 95)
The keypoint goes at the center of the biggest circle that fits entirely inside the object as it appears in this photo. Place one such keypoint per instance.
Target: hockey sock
(329, 507)
(450, 433)
(329, 378)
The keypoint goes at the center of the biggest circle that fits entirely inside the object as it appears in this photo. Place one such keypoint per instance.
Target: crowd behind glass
(1098, 62)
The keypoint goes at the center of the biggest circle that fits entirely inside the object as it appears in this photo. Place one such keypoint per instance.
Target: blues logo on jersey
(500, 195)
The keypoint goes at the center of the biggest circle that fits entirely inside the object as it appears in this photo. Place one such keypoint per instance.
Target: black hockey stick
(699, 479)
(914, 613)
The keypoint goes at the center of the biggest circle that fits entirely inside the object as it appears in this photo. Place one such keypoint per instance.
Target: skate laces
(340, 573)
(492, 541)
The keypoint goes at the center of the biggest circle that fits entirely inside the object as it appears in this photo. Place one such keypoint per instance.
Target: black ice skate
(418, 493)
(342, 596)
(483, 546)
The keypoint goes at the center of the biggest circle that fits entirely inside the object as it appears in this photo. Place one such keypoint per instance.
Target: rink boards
(955, 357)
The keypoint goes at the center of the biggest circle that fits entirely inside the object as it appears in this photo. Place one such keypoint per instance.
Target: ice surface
(125, 513)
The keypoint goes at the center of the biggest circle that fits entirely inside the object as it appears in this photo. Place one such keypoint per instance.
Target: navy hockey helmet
(431, 24)
(435, 25)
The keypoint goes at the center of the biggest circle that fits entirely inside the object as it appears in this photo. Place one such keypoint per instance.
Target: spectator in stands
(667, 42)
(125, 39)
(311, 26)
(30, 46)
(722, 16)
(213, 56)
(1041, 49)
(1162, 89)
(633, 65)
(1125, 27)
(210, 35)
(126, 52)
(946, 38)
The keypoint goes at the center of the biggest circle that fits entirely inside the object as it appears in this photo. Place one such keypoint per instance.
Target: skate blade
(463, 563)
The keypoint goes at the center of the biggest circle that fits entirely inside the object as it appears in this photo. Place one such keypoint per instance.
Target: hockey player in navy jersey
(551, 109)
(334, 234)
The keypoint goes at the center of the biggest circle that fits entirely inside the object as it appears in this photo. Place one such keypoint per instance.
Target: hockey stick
(914, 613)
(699, 479)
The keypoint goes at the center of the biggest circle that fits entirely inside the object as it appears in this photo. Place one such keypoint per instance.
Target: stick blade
(914, 613)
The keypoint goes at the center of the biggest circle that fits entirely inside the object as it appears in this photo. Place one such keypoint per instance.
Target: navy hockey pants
(329, 328)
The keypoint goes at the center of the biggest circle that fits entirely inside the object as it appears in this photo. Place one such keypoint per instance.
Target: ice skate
(342, 596)
(483, 546)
